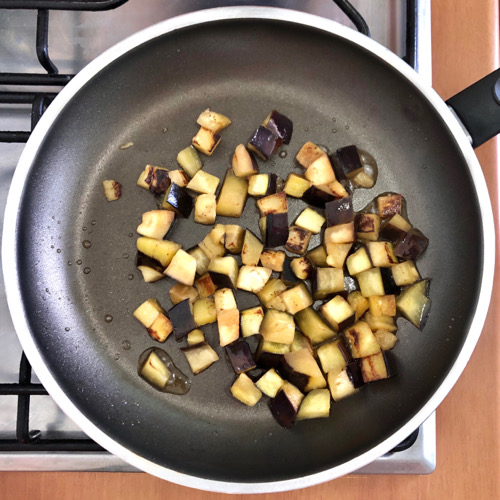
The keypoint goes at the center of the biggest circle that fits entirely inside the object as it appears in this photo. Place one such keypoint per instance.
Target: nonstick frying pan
(339, 88)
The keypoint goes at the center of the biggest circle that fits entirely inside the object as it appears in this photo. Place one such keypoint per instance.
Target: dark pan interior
(336, 95)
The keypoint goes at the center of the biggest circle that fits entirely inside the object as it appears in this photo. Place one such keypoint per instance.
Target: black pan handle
(478, 107)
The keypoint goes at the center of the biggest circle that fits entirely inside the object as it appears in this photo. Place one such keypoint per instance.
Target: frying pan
(339, 88)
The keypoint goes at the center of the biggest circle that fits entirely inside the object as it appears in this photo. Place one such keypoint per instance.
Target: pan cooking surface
(336, 95)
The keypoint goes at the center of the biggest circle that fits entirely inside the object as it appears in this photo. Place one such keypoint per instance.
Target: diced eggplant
(390, 286)
(206, 141)
(112, 189)
(228, 324)
(338, 313)
(182, 268)
(311, 220)
(340, 384)
(141, 181)
(258, 184)
(382, 305)
(358, 261)
(264, 143)
(180, 292)
(320, 171)
(276, 230)
(288, 276)
(337, 254)
(375, 367)
(298, 240)
(273, 288)
(358, 303)
(251, 319)
(316, 404)
(244, 164)
(204, 311)
(178, 201)
(370, 282)
(338, 190)
(414, 304)
(405, 273)
(270, 383)
(233, 238)
(161, 328)
(212, 248)
(148, 311)
(161, 250)
(253, 278)
(341, 233)
(189, 160)
(156, 223)
(313, 327)
(269, 354)
(232, 196)
(302, 268)
(203, 183)
(251, 250)
(326, 281)
(158, 180)
(202, 260)
(389, 205)
(349, 161)
(367, 226)
(361, 340)
(224, 300)
(382, 322)
(155, 371)
(181, 316)
(279, 125)
(300, 341)
(179, 177)
(240, 356)
(339, 211)
(277, 326)
(213, 121)
(205, 286)
(309, 153)
(245, 390)
(301, 369)
(381, 253)
(411, 245)
(385, 339)
(317, 196)
(273, 259)
(333, 355)
(296, 299)
(296, 185)
(205, 209)
(200, 357)
(150, 268)
(394, 228)
(285, 405)
(273, 204)
(224, 272)
(317, 256)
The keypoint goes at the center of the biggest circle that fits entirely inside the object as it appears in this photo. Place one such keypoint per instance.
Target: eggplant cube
(181, 316)
(320, 172)
(244, 164)
(309, 153)
(285, 405)
(395, 228)
(251, 319)
(382, 322)
(160, 329)
(374, 368)
(204, 311)
(251, 250)
(385, 339)
(112, 189)
(213, 121)
(341, 233)
(232, 196)
(179, 177)
(389, 205)
(276, 231)
(296, 299)
(278, 326)
(270, 383)
(318, 256)
(264, 143)
(258, 184)
(245, 390)
(203, 183)
(333, 355)
(318, 196)
(273, 288)
(201, 258)
(280, 125)
(224, 272)
(349, 161)
(148, 311)
(382, 305)
(339, 211)
(205, 286)
(361, 340)
(313, 327)
(158, 180)
(233, 238)
(270, 354)
(212, 249)
(178, 201)
(228, 324)
(338, 313)
(155, 371)
(156, 223)
(273, 259)
(182, 268)
(370, 282)
(240, 356)
(340, 384)
(338, 189)
(253, 278)
(205, 209)
(316, 404)
(200, 357)
(310, 220)
(298, 240)
(162, 251)
(367, 226)
(414, 304)
(224, 300)
(302, 268)
(206, 141)
(411, 245)
(296, 185)
(301, 369)
(150, 268)
(358, 262)
(180, 292)
(337, 254)
(273, 204)
(359, 303)
(382, 253)
(327, 281)
(189, 160)
(405, 273)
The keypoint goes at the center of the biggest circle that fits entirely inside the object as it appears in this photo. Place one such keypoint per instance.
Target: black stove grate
(32, 440)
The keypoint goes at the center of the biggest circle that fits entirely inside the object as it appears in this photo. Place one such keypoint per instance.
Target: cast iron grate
(32, 440)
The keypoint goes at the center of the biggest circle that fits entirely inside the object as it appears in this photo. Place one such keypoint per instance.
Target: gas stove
(43, 44)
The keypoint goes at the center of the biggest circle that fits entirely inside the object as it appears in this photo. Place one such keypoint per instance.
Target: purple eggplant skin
(179, 199)
(280, 125)
(339, 211)
(276, 230)
(349, 160)
(390, 363)
(388, 280)
(264, 142)
(142, 259)
(346, 352)
(288, 276)
(411, 245)
(240, 356)
(316, 197)
(221, 280)
(355, 375)
(299, 380)
(272, 186)
(282, 409)
(158, 181)
(391, 233)
(182, 319)
(269, 360)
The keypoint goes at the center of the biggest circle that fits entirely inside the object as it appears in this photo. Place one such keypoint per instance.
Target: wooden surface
(465, 48)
